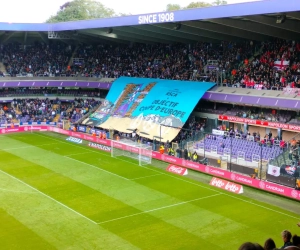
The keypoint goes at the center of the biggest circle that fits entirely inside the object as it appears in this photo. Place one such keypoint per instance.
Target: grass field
(55, 194)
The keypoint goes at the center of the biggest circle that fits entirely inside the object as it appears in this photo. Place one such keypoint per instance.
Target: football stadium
(170, 130)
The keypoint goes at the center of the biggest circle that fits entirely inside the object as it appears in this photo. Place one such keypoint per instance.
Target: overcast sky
(38, 11)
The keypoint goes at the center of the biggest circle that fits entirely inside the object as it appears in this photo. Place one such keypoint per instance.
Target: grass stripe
(15, 235)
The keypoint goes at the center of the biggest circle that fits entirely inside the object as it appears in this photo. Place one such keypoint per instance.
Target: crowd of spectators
(242, 64)
(176, 61)
(262, 73)
(39, 59)
(78, 108)
(45, 110)
(190, 129)
(289, 242)
(267, 140)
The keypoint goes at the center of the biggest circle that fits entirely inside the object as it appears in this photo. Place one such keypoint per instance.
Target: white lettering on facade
(156, 18)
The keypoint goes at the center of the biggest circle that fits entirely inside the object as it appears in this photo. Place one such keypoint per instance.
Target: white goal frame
(138, 151)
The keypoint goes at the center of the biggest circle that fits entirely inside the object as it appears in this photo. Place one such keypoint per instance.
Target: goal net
(127, 148)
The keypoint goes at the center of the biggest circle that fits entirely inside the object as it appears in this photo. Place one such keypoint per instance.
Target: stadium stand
(272, 65)
(38, 59)
(45, 110)
(276, 67)
(177, 61)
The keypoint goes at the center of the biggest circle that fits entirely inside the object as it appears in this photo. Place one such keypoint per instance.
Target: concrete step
(2, 68)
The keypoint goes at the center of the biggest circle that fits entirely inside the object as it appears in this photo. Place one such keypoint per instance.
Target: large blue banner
(133, 102)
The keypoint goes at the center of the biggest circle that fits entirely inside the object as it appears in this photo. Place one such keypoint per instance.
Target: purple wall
(32, 83)
(252, 100)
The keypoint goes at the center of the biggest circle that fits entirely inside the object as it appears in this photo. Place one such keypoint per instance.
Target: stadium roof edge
(223, 11)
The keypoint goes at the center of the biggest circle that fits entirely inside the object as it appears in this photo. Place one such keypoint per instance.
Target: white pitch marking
(144, 177)
(65, 206)
(14, 191)
(159, 208)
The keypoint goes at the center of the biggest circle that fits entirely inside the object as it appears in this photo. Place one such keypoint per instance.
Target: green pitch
(56, 194)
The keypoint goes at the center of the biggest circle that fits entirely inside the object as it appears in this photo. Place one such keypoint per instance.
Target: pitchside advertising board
(75, 140)
(268, 124)
(177, 170)
(99, 146)
(237, 178)
(226, 185)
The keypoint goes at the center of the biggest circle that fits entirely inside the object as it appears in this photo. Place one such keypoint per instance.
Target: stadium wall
(259, 184)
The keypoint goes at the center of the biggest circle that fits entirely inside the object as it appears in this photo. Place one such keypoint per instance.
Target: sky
(38, 11)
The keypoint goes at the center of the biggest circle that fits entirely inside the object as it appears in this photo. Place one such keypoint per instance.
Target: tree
(219, 2)
(81, 10)
(193, 5)
(173, 7)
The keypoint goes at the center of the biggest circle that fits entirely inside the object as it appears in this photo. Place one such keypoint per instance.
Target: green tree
(220, 2)
(173, 7)
(193, 5)
(81, 10)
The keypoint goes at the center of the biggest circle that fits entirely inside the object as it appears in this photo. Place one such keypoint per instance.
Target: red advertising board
(237, 178)
(268, 124)
(177, 170)
(226, 185)
(23, 129)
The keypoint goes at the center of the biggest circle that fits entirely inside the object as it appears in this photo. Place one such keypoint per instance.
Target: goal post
(138, 151)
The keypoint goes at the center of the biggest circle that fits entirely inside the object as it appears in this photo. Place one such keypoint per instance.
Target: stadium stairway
(2, 68)
(56, 118)
(72, 57)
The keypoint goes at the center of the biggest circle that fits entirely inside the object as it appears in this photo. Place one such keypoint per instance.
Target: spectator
(296, 240)
(286, 237)
(269, 244)
(250, 246)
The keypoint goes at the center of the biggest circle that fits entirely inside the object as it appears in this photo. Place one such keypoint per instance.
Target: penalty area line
(148, 176)
(49, 197)
(159, 208)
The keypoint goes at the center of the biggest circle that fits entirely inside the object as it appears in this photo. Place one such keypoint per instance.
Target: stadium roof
(258, 21)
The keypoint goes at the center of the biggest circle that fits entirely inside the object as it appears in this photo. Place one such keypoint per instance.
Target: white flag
(273, 170)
